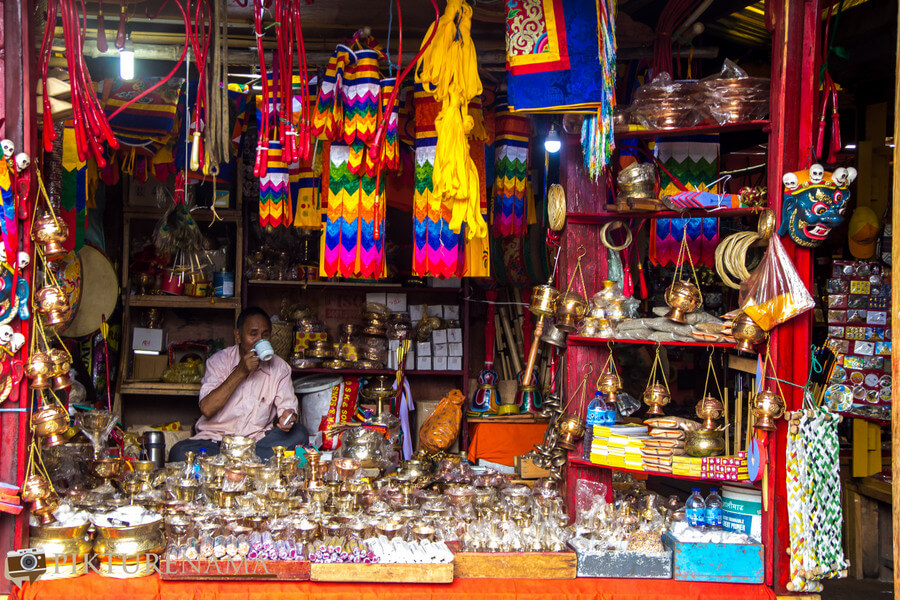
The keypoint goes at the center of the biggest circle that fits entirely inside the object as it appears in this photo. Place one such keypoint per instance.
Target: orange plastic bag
(441, 428)
(774, 293)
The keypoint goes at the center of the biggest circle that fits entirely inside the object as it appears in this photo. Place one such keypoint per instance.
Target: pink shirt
(255, 403)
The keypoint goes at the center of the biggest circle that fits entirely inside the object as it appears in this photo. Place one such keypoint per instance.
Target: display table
(152, 588)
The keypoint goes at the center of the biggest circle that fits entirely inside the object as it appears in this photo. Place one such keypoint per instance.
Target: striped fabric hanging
(305, 186)
(329, 113)
(275, 206)
(511, 171)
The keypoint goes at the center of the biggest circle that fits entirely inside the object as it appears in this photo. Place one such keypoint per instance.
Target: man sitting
(241, 395)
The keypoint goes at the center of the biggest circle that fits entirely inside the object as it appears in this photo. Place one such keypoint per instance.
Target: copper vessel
(50, 233)
(710, 409)
(570, 309)
(38, 368)
(683, 297)
(656, 396)
(610, 384)
(571, 429)
(34, 488)
(50, 424)
(746, 332)
(767, 406)
(62, 362)
(52, 304)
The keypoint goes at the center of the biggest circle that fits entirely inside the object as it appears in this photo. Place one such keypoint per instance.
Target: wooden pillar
(895, 322)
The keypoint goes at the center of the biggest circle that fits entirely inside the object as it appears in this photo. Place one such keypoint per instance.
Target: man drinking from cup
(246, 391)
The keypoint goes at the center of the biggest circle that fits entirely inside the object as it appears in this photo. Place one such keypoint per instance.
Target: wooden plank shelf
(229, 215)
(579, 340)
(649, 134)
(160, 388)
(360, 286)
(696, 213)
(167, 301)
(373, 372)
(586, 463)
(382, 573)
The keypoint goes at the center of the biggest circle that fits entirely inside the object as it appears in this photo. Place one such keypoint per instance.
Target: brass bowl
(710, 409)
(346, 467)
(682, 297)
(238, 446)
(610, 384)
(61, 549)
(108, 468)
(656, 396)
(570, 429)
(544, 300)
(701, 443)
(185, 492)
(144, 466)
(570, 309)
(746, 332)
(50, 424)
(767, 406)
(59, 533)
(150, 543)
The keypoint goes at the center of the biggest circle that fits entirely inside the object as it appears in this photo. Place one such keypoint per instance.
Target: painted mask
(814, 204)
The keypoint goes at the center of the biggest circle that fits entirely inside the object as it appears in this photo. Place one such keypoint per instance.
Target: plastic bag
(732, 96)
(666, 104)
(774, 293)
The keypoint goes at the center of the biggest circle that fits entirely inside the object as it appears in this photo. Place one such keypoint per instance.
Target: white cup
(264, 350)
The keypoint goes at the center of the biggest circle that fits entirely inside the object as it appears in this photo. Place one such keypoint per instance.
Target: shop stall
(489, 300)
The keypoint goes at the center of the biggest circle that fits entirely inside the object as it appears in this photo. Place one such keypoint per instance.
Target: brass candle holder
(767, 406)
(683, 297)
(709, 409)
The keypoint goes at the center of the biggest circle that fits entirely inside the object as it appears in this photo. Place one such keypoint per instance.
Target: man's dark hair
(251, 311)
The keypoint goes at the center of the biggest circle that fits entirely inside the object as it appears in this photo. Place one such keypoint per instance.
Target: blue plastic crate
(733, 563)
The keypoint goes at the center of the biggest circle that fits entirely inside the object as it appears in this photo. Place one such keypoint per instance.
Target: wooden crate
(732, 563)
(227, 570)
(526, 469)
(382, 573)
(625, 564)
(515, 565)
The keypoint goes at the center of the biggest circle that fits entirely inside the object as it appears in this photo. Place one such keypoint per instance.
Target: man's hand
(286, 420)
(249, 363)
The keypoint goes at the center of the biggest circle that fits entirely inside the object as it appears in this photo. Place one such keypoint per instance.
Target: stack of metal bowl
(666, 106)
(735, 100)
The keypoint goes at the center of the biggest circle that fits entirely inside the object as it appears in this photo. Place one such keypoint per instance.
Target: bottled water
(714, 509)
(600, 412)
(695, 510)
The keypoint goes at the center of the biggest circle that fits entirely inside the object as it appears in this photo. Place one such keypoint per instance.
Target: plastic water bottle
(600, 412)
(714, 509)
(695, 510)
(197, 470)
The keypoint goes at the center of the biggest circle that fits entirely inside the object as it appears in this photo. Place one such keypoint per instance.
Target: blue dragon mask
(814, 203)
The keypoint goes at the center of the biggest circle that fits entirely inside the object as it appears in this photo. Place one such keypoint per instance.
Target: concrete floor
(858, 589)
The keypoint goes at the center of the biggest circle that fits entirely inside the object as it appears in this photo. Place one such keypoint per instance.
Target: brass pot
(50, 424)
(38, 368)
(701, 443)
(570, 309)
(238, 446)
(682, 297)
(610, 384)
(710, 409)
(570, 429)
(34, 488)
(746, 332)
(767, 406)
(52, 303)
(43, 508)
(62, 362)
(555, 337)
(50, 233)
(544, 300)
(656, 396)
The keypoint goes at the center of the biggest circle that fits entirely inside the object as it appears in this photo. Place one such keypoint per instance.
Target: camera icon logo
(25, 565)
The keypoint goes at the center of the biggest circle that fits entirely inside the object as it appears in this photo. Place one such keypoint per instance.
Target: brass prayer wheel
(543, 300)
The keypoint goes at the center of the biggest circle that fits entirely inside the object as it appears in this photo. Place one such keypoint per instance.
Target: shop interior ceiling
(733, 28)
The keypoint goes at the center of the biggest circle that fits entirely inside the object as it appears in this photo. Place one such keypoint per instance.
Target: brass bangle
(605, 229)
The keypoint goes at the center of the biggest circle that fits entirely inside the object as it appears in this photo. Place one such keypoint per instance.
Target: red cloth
(151, 588)
(503, 442)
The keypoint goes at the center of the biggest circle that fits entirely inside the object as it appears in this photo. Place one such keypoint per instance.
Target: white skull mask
(8, 148)
(22, 161)
(851, 175)
(18, 340)
(790, 181)
(839, 177)
(6, 335)
(816, 173)
(24, 260)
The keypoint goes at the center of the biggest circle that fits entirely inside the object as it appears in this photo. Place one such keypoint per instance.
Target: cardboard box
(454, 335)
(439, 336)
(148, 340)
(526, 469)
(396, 303)
(440, 363)
(416, 311)
(454, 363)
(423, 349)
(455, 349)
(149, 367)
(435, 310)
(423, 363)
(376, 297)
(451, 312)
(440, 350)
(302, 341)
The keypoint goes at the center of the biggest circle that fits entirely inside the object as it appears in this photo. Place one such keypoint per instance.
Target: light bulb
(552, 143)
(126, 61)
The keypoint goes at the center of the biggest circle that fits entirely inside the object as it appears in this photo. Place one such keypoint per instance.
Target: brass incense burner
(683, 297)
(611, 385)
(709, 409)
(767, 406)
(570, 310)
(656, 396)
(50, 233)
(746, 332)
(62, 362)
(50, 424)
(39, 368)
(52, 304)
(571, 429)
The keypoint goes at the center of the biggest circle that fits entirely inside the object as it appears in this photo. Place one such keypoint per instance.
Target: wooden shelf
(229, 215)
(159, 388)
(585, 463)
(509, 420)
(645, 134)
(696, 213)
(166, 301)
(578, 340)
(373, 372)
(360, 286)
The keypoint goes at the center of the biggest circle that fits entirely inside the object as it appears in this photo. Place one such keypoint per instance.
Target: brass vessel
(34, 488)
(544, 300)
(656, 396)
(767, 406)
(701, 443)
(50, 233)
(746, 332)
(571, 429)
(50, 423)
(570, 310)
(52, 303)
(611, 385)
(38, 368)
(683, 297)
(62, 362)
(709, 409)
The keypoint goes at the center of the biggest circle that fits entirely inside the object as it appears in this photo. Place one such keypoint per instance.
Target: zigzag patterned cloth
(329, 113)
(275, 206)
(511, 171)
(305, 186)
